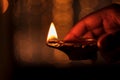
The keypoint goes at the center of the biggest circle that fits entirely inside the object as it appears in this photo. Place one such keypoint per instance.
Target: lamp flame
(52, 34)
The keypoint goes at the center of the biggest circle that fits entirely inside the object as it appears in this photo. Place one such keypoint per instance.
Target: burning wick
(82, 49)
(52, 34)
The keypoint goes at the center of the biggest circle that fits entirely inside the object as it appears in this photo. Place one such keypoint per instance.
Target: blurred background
(24, 27)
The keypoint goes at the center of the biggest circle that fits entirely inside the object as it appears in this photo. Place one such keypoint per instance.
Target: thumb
(109, 46)
(109, 41)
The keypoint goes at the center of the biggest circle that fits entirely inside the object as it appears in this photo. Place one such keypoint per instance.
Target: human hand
(104, 26)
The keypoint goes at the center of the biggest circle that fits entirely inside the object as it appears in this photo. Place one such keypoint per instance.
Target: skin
(5, 5)
(99, 25)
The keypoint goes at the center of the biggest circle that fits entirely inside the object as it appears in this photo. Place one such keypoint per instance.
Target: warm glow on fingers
(5, 5)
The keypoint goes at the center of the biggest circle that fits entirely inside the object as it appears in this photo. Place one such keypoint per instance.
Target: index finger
(87, 27)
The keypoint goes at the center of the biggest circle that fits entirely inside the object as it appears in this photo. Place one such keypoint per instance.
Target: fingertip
(106, 42)
(70, 38)
(101, 40)
(5, 6)
(109, 47)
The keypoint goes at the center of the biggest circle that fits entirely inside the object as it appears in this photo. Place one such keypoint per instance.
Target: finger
(88, 35)
(89, 23)
(103, 41)
(109, 46)
(76, 32)
(109, 41)
(5, 5)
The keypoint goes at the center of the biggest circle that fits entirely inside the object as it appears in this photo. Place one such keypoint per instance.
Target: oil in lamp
(78, 50)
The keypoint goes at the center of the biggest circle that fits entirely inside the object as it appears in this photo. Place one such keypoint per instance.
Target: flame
(52, 34)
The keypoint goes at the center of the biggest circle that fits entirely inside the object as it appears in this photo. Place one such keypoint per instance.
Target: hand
(104, 26)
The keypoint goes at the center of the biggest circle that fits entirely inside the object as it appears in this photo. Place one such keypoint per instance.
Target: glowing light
(52, 34)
